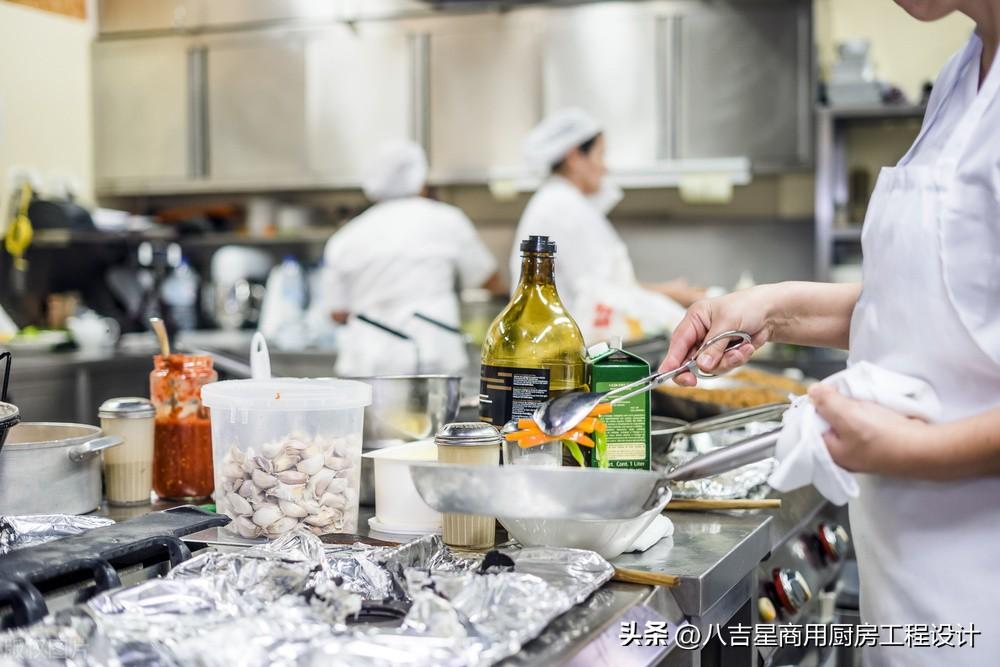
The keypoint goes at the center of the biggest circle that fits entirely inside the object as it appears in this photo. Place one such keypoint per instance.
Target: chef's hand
(745, 310)
(867, 437)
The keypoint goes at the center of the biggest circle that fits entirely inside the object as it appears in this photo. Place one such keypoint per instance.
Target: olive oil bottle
(533, 350)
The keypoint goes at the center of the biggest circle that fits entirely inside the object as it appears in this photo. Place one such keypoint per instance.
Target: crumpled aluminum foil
(289, 603)
(749, 481)
(17, 532)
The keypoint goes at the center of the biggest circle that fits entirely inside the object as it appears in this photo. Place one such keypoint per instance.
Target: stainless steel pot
(52, 468)
(405, 408)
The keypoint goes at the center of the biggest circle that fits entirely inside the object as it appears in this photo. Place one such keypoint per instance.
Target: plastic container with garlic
(287, 452)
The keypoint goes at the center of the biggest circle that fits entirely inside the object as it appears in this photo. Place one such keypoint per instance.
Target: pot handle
(93, 447)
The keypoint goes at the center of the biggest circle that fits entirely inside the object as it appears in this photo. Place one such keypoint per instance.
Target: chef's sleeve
(474, 260)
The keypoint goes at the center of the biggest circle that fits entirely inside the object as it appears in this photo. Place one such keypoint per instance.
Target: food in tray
(590, 432)
(746, 388)
(295, 480)
(759, 378)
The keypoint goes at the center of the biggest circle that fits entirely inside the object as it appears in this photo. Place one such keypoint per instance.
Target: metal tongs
(560, 414)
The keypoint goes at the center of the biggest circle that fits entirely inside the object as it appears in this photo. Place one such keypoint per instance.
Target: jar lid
(130, 407)
(470, 434)
(287, 395)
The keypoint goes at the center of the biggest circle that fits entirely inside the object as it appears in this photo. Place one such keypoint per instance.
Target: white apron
(929, 552)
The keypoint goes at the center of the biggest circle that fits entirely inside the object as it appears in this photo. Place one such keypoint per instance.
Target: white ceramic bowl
(398, 506)
(609, 538)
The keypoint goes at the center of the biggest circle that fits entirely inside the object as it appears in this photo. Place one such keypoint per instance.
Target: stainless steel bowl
(405, 408)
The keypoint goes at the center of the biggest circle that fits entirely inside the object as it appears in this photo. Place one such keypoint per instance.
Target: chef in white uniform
(927, 522)
(594, 274)
(402, 258)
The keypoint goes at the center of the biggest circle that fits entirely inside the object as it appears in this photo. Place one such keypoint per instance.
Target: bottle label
(507, 393)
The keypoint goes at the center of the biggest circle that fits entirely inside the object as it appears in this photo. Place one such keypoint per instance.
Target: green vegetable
(601, 449)
(574, 449)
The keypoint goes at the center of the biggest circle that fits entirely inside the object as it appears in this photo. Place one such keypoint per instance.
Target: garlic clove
(239, 504)
(292, 509)
(232, 470)
(333, 501)
(246, 528)
(293, 477)
(266, 515)
(337, 463)
(263, 480)
(311, 466)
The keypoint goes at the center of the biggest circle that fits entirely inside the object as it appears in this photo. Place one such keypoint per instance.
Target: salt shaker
(128, 469)
(469, 443)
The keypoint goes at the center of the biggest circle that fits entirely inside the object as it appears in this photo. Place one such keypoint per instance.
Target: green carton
(627, 434)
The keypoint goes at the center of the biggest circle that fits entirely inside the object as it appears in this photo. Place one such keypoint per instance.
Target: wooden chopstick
(645, 578)
(735, 504)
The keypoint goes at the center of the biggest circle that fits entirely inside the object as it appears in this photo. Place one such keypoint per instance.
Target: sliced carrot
(601, 409)
(517, 436)
(527, 425)
(579, 438)
(535, 439)
(587, 425)
(600, 427)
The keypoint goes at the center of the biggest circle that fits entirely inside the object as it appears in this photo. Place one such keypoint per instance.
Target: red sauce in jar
(182, 456)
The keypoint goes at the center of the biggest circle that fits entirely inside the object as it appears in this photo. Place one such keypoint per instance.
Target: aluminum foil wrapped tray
(18, 532)
(295, 602)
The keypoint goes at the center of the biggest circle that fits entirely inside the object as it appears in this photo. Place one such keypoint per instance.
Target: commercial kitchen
(510, 332)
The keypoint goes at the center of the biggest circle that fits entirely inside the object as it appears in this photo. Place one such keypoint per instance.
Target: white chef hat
(398, 170)
(561, 131)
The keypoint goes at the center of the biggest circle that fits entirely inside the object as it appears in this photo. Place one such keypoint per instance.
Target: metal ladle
(562, 413)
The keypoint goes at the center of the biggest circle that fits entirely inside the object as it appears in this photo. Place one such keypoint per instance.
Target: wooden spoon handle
(735, 504)
(645, 578)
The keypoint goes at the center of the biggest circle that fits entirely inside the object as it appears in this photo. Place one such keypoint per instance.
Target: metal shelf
(831, 175)
(62, 238)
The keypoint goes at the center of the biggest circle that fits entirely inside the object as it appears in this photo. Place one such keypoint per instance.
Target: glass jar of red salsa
(182, 455)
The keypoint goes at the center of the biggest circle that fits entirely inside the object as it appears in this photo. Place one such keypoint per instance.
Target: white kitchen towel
(801, 452)
(660, 527)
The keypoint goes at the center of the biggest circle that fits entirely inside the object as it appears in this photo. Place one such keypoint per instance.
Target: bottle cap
(131, 407)
(468, 434)
(540, 244)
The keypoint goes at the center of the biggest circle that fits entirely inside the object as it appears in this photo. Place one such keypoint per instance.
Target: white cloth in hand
(801, 452)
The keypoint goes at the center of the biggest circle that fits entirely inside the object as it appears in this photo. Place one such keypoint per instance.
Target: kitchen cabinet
(484, 82)
(141, 123)
(742, 76)
(358, 95)
(678, 87)
(255, 93)
(603, 59)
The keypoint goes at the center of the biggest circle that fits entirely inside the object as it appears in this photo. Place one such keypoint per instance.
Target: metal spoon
(562, 413)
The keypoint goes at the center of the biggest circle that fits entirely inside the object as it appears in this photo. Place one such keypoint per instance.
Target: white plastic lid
(287, 394)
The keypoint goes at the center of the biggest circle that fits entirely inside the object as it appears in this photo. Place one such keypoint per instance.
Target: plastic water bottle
(284, 304)
(180, 294)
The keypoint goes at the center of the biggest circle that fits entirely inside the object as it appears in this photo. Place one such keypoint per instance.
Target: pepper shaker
(128, 469)
(469, 443)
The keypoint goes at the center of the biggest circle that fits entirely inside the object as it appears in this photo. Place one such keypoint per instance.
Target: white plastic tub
(398, 507)
(287, 452)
